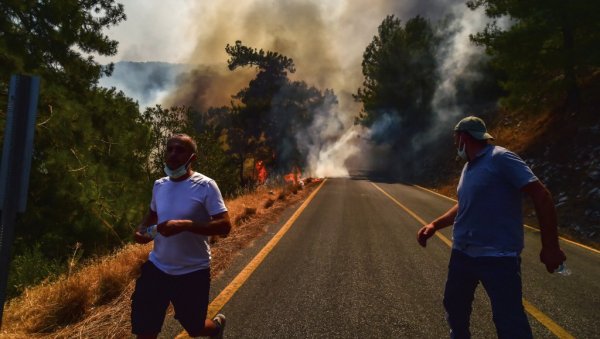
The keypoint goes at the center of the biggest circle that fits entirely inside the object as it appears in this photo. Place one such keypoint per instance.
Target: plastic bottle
(563, 270)
(151, 231)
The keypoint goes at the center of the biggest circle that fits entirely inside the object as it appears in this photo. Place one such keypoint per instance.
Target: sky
(154, 31)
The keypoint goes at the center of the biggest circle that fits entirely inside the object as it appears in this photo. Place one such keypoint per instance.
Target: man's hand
(425, 233)
(140, 233)
(552, 258)
(172, 227)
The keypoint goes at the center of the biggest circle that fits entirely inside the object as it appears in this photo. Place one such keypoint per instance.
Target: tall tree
(50, 38)
(545, 47)
(272, 111)
(87, 184)
(251, 115)
(400, 76)
(90, 143)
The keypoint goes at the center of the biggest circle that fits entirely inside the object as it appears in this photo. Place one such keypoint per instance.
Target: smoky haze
(326, 40)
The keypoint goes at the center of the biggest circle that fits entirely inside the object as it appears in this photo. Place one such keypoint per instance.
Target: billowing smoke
(207, 86)
(456, 58)
(328, 142)
(148, 82)
(326, 40)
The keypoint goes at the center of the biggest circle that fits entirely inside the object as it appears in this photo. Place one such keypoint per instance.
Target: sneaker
(220, 321)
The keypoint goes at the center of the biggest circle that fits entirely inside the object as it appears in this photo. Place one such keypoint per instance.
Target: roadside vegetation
(96, 155)
(92, 300)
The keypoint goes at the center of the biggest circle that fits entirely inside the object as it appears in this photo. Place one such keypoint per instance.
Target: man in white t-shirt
(187, 208)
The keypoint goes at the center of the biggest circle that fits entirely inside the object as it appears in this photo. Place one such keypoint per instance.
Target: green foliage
(85, 181)
(400, 75)
(91, 145)
(214, 162)
(163, 123)
(547, 50)
(31, 267)
(47, 38)
(205, 128)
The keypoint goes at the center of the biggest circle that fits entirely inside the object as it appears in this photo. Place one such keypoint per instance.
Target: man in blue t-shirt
(187, 208)
(488, 232)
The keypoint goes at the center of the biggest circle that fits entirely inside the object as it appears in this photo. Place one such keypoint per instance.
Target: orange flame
(294, 176)
(261, 172)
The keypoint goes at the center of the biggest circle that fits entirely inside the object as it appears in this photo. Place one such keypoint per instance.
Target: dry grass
(94, 301)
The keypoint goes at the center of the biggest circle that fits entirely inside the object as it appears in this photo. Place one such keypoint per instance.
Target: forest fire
(261, 172)
(293, 177)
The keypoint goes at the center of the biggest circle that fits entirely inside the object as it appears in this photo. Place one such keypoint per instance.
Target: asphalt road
(350, 267)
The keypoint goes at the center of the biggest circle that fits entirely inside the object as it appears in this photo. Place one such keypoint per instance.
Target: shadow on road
(378, 176)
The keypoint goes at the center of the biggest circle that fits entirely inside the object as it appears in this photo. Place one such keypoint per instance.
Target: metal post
(16, 163)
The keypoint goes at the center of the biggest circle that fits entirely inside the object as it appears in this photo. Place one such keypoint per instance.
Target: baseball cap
(475, 126)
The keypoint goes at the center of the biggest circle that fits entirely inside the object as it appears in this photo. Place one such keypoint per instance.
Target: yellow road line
(219, 302)
(412, 214)
(537, 314)
(530, 227)
(434, 192)
(542, 318)
(574, 243)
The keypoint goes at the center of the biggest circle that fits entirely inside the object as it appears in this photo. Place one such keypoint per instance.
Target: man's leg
(190, 301)
(149, 302)
(459, 293)
(501, 278)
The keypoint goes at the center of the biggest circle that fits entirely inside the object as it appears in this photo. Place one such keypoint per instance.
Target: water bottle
(151, 231)
(563, 270)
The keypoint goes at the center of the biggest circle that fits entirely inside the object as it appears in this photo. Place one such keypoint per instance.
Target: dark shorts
(154, 290)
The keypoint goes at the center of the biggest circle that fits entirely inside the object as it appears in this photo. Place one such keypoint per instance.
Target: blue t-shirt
(489, 220)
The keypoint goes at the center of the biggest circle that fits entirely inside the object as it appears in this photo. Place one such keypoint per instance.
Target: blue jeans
(501, 278)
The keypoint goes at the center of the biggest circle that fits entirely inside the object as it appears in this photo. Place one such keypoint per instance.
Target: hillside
(563, 151)
(94, 299)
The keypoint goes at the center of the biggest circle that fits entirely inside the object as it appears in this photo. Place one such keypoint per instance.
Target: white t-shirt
(197, 198)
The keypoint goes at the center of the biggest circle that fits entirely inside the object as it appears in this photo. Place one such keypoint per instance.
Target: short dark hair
(188, 140)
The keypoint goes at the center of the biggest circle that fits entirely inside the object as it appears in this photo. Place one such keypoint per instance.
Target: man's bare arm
(551, 255)
(443, 221)
(219, 225)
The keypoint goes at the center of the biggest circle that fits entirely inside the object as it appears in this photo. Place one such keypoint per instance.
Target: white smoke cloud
(329, 142)
(326, 39)
(331, 159)
(155, 30)
(454, 59)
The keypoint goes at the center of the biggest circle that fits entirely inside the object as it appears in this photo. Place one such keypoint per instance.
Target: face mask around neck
(179, 171)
